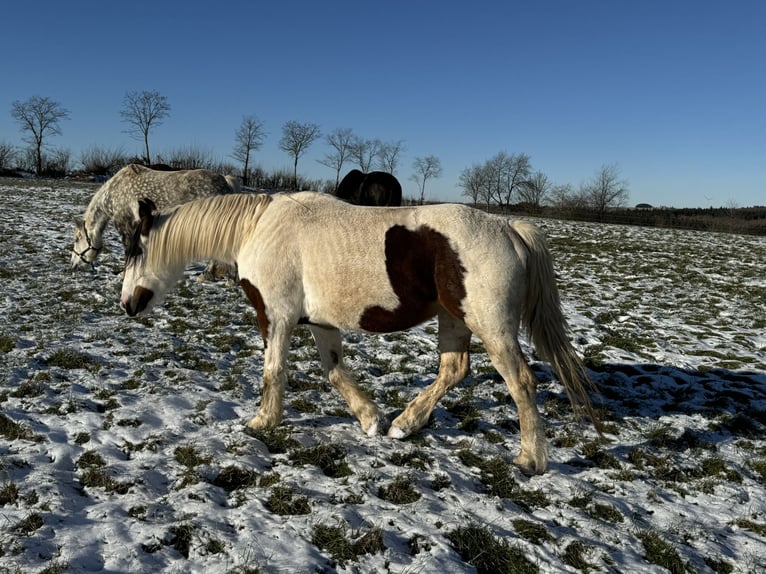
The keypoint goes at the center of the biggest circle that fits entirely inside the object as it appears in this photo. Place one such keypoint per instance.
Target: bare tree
(340, 140)
(606, 190)
(388, 155)
(296, 139)
(142, 111)
(248, 138)
(473, 180)
(535, 190)
(364, 152)
(425, 168)
(564, 197)
(40, 117)
(508, 173)
(7, 155)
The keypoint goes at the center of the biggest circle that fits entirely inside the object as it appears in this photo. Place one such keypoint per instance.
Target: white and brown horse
(117, 201)
(312, 259)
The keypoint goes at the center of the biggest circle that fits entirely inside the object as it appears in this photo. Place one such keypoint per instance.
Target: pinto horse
(308, 258)
(374, 188)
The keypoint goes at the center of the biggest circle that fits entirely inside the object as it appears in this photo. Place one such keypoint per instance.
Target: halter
(90, 247)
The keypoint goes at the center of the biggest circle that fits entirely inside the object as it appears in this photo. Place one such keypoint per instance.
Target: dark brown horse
(374, 188)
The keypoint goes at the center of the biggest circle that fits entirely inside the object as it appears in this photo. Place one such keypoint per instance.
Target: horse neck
(212, 228)
(97, 215)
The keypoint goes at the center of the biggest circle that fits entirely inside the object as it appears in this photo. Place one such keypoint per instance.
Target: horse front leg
(274, 379)
(454, 365)
(328, 341)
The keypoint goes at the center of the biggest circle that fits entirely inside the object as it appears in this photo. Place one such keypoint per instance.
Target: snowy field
(123, 447)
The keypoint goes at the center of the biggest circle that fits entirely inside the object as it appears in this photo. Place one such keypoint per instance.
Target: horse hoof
(529, 467)
(261, 423)
(396, 432)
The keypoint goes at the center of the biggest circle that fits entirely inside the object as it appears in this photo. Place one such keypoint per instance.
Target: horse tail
(545, 322)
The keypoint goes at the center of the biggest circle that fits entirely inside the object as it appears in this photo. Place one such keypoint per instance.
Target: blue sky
(673, 92)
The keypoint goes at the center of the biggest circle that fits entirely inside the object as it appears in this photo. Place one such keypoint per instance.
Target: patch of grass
(304, 406)
(581, 500)
(55, 567)
(29, 524)
(440, 482)
(535, 532)
(269, 479)
(181, 536)
(28, 389)
(189, 457)
(7, 344)
(233, 478)
(330, 458)
(283, 501)
(756, 527)
(601, 459)
(574, 556)
(399, 491)
(335, 541)
(12, 430)
(466, 411)
(394, 399)
(487, 553)
(82, 438)
(96, 477)
(138, 512)
(497, 477)
(72, 359)
(418, 459)
(759, 467)
(719, 565)
(606, 512)
(660, 552)
(277, 440)
(9, 494)
(659, 435)
(90, 459)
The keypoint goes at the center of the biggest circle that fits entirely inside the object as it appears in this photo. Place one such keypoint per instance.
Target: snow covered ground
(123, 446)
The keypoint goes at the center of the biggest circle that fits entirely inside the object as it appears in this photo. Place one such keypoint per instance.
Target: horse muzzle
(137, 302)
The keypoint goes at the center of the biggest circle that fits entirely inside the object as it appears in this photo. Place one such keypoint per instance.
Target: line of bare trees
(142, 111)
(500, 182)
(506, 180)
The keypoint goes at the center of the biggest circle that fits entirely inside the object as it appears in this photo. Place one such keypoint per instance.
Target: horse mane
(213, 226)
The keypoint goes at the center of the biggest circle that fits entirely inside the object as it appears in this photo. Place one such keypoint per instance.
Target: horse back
(391, 267)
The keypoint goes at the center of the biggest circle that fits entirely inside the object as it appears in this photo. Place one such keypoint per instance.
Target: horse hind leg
(454, 365)
(509, 360)
(328, 341)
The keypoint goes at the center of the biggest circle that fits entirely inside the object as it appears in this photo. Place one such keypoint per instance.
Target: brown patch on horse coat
(139, 301)
(424, 271)
(256, 299)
